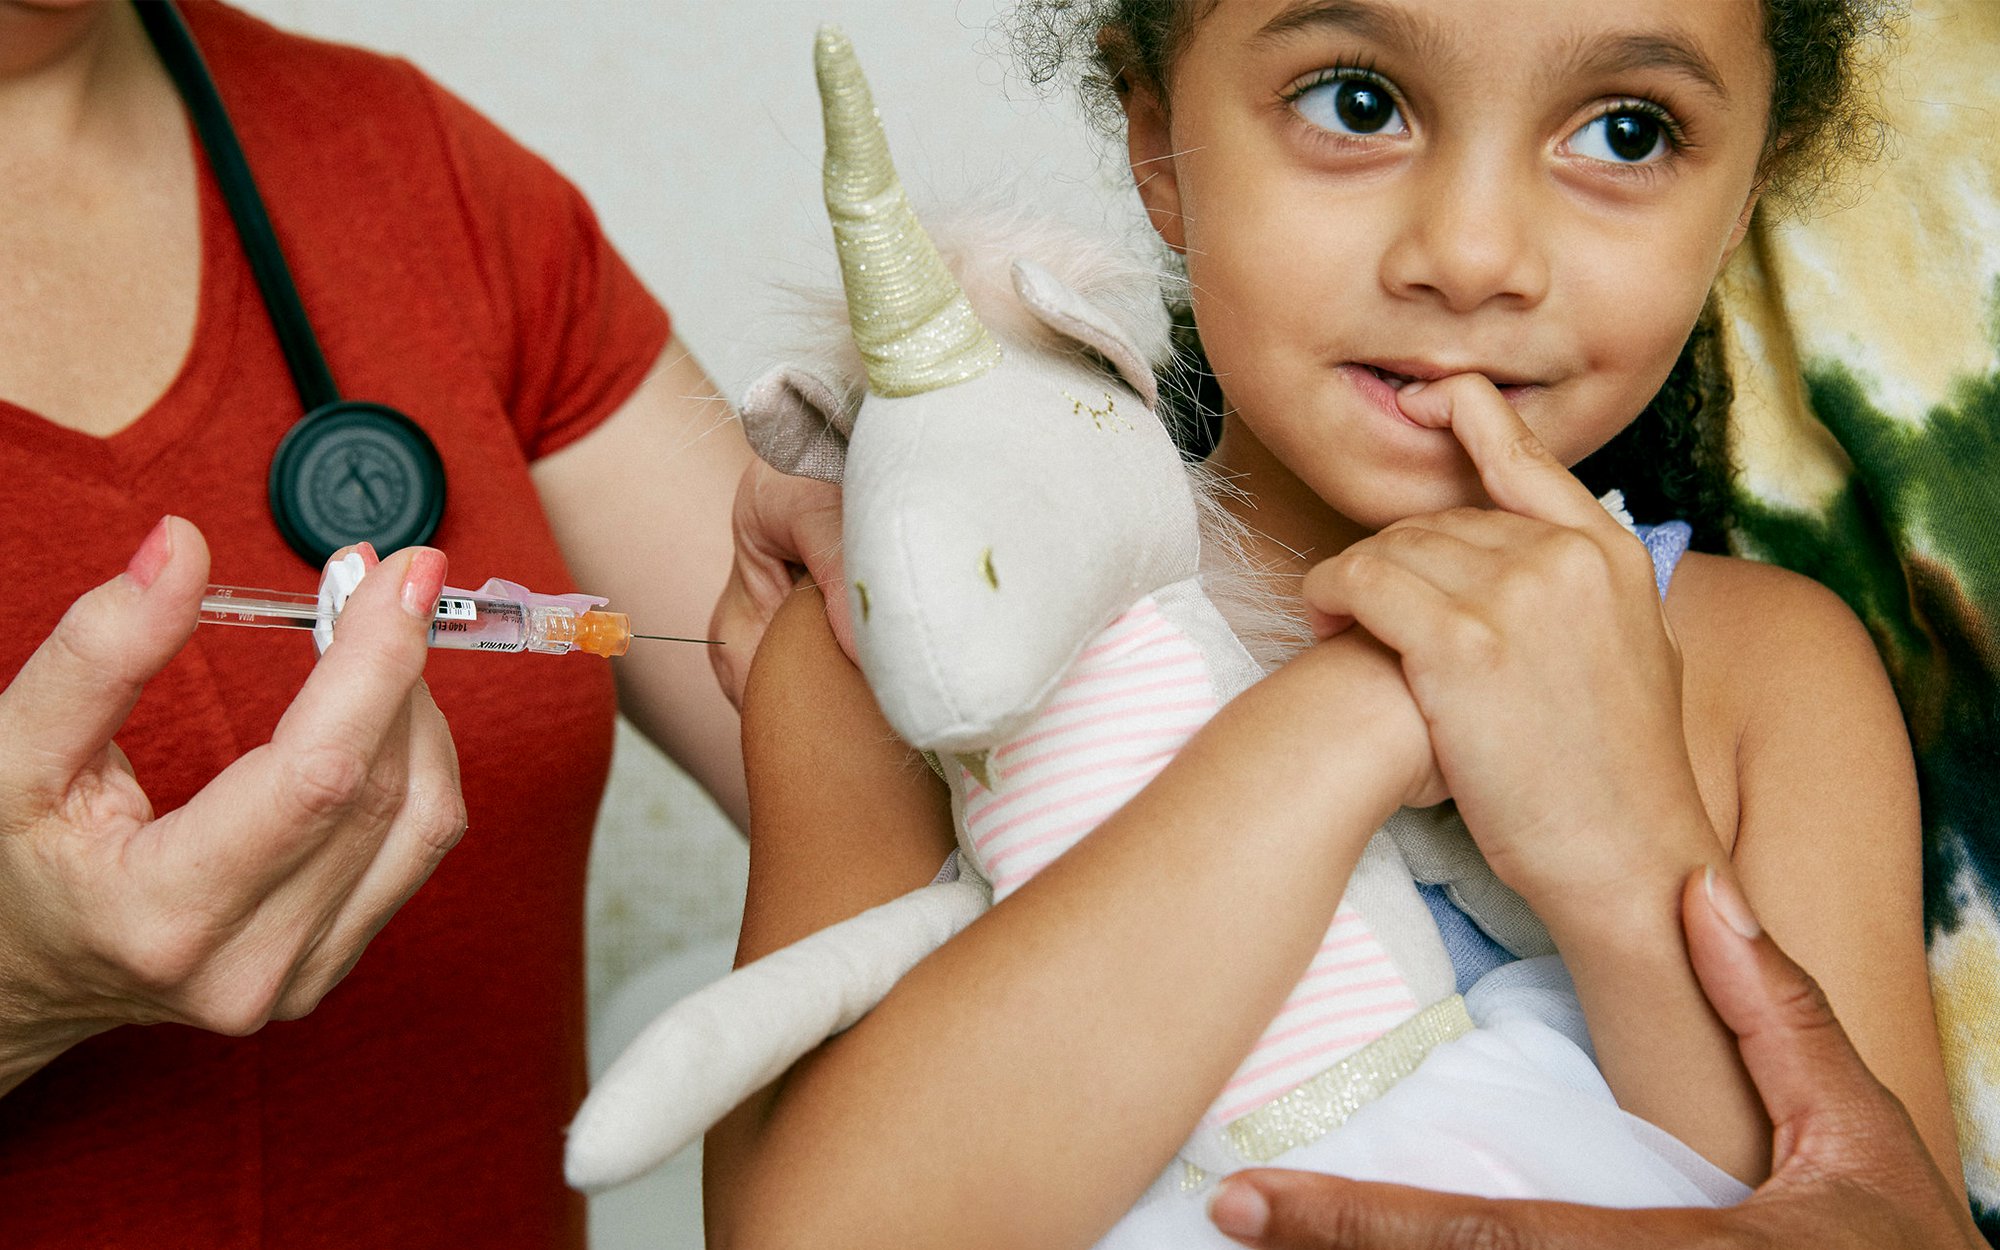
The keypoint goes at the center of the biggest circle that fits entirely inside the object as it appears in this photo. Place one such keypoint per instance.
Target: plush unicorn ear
(799, 424)
(1074, 317)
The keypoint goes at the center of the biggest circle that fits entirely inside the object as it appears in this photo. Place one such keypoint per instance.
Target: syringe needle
(706, 642)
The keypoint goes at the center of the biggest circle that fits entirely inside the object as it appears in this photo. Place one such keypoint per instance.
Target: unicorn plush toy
(1029, 563)
(1024, 548)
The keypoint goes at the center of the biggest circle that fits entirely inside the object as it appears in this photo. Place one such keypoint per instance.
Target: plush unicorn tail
(711, 1050)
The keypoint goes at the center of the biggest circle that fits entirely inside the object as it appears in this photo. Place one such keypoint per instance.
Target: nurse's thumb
(75, 691)
(1280, 1210)
(1814, 1085)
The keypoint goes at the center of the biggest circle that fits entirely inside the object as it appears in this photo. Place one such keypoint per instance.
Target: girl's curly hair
(1673, 459)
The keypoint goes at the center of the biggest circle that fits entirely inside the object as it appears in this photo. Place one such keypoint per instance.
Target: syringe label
(452, 608)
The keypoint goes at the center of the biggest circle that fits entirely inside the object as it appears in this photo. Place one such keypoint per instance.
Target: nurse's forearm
(1024, 1084)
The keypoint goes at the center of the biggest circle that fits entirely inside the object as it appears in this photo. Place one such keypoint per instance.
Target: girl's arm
(1826, 846)
(1533, 639)
(1829, 843)
(843, 817)
(1025, 1083)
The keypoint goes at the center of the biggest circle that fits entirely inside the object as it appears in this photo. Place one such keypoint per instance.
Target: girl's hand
(1535, 644)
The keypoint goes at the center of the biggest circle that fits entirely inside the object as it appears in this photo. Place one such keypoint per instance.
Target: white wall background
(693, 127)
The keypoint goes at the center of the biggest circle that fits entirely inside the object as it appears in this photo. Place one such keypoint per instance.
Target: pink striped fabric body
(1350, 995)
(1137, 693)
(1134, 696)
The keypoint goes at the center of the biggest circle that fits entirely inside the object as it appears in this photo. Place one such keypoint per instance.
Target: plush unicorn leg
(704, 1054)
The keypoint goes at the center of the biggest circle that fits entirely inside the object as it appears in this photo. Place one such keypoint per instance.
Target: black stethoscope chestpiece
(352, 472)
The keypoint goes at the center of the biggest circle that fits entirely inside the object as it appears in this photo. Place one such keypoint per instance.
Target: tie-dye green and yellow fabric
(1864, 348)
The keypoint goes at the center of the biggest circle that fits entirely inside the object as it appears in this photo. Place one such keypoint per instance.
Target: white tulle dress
(1513, 1108)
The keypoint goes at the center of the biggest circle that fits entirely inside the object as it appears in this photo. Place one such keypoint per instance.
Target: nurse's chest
(100, 272)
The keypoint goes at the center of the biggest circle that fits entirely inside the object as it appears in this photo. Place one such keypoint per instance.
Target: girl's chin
(1389, 495)
(1355, 462)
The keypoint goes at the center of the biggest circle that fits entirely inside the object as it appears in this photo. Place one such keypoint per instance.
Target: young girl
(1437, 253)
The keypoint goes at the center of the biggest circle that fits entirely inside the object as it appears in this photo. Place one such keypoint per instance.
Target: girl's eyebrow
(1613, 54)
(1378, 22)
(1668, 51)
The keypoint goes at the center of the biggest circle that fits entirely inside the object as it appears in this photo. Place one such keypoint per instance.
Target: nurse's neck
(70, 71)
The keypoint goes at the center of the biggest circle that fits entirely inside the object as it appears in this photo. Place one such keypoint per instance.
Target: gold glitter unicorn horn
(915, 329)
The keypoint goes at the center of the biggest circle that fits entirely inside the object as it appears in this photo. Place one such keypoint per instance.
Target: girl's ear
(1742, 229)
(1149, 143)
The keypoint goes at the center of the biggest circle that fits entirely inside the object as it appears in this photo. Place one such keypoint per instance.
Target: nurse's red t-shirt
(456, 277)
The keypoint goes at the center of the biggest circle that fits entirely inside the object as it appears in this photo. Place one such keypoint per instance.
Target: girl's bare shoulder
(1748, 623)
(1780, 680)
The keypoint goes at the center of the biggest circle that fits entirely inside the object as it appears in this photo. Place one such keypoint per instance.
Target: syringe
(464, 620)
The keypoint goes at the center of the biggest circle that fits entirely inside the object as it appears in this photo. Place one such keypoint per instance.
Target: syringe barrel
(477, 623)
(460, 622)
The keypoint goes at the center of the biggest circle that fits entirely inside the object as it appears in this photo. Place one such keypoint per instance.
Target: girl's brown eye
(1350, 104)
(1623, 136)
(1362, 107)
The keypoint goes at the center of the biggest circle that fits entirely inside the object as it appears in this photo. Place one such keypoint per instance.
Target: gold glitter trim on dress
(1323, 1103)
(912, 322)
(1193, 1178)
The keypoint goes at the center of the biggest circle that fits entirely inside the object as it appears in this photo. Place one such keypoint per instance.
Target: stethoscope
(349, 471)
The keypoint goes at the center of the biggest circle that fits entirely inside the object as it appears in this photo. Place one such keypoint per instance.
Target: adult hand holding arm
(254, 899)
(1848, 1168)
(781, 523)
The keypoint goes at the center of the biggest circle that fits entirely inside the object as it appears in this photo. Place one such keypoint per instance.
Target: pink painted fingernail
(423, 582)
(1239, 1210)
(152, 555)
(1729, 903)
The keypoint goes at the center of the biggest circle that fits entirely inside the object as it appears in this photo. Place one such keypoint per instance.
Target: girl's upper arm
(843, 814)
(1828, 842)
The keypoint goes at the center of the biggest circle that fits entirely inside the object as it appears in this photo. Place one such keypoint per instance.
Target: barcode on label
(451, 608)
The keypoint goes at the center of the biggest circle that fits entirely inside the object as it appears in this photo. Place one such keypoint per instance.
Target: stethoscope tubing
(346, 471)
(184, 63)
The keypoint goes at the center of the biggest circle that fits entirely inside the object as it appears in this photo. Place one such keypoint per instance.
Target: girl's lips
(1382, 393)
(1377, 391)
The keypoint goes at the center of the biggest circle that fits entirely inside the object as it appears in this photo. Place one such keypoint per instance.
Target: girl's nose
(1469, 238)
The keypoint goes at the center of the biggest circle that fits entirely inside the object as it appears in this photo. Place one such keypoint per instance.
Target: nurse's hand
(1848, 1169)
(783, 524)
(252, 901)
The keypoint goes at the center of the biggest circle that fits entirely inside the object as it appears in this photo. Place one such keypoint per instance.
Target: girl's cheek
(1635, 321)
